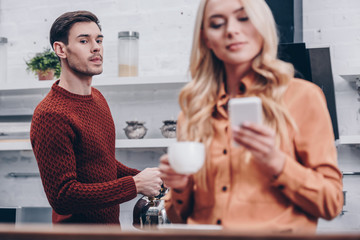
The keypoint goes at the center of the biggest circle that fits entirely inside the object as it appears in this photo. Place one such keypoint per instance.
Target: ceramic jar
(168, 130)
(135, 129)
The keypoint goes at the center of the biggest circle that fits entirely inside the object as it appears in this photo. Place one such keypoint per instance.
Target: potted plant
(45, 64)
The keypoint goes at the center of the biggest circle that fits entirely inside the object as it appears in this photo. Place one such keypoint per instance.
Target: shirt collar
(223, 97)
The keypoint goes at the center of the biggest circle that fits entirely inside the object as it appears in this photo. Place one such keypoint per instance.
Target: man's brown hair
(60, 29)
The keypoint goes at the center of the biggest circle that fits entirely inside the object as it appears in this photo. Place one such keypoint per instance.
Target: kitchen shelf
(14, 127)
(15, 144)
(352, 78)
(127, 84)
(143, 80)
(350, 139)
(144, 143)
(100, 81)
(24, 144)
(16, 112)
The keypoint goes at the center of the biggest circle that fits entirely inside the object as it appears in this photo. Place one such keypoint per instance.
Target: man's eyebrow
(88, 35)
(83, 35)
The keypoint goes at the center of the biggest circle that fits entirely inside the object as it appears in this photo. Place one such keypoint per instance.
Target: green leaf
(44, 61)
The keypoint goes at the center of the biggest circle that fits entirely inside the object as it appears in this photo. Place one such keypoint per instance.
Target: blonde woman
(284, 176)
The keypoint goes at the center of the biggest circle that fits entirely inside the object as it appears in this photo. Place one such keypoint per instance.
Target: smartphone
(247, 109)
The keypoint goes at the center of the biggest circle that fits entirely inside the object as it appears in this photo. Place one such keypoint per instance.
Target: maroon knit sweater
(73, 139)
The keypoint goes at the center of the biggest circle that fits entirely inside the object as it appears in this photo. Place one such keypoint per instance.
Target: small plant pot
(46, 75)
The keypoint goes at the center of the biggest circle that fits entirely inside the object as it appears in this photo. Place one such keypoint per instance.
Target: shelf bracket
(352, 78)
(358, 84)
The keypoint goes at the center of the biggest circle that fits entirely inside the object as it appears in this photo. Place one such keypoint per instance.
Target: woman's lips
(235, 46)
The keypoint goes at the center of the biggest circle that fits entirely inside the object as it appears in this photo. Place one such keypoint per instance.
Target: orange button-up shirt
(309, 187)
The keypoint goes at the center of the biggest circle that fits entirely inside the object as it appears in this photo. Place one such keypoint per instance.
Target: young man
(73, 133)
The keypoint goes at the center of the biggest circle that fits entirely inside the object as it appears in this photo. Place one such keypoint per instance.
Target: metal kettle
(150, 211)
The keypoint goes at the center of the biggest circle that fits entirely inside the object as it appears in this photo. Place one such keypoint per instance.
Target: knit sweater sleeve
(52, 139)
(123, 171)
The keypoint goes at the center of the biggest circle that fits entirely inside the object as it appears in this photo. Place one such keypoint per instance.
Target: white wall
(165, 28)
(336, 24)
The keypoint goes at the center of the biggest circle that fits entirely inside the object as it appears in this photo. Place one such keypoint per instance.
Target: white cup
(186, 157)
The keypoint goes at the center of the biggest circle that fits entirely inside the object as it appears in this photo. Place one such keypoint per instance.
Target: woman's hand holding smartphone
(248, 131)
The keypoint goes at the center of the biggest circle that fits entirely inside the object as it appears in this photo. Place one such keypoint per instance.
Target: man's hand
(148, 182)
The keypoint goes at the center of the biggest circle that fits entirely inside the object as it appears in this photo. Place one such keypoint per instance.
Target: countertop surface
(90, 232)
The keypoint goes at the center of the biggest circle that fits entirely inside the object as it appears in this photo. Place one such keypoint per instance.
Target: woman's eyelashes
(219, 23)
(216, 24)
(243, 19)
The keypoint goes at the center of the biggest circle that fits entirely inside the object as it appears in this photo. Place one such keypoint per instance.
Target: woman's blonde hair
(198, 98)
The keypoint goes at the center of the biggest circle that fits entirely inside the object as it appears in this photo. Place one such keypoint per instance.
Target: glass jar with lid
(3, 59)
(128, 53)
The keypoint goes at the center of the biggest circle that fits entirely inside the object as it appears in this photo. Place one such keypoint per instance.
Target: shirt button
(224, 188)
(281, 187)
(179, 201)
(218, 222)
(225, 151)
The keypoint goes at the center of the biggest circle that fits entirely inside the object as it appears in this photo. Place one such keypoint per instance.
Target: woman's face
(229, 33)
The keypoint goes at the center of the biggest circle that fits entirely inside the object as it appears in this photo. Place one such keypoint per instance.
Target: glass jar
(128, 53)
(3, 59)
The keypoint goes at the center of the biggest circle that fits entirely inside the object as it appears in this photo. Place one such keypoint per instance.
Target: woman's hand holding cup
(171, 178)
(183, 159)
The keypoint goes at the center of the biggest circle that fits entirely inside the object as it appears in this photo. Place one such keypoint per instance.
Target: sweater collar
(55, 87)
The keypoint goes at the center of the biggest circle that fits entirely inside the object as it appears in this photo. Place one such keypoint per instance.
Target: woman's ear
(59, 49)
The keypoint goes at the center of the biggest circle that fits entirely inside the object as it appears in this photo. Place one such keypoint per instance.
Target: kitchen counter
(88, 232)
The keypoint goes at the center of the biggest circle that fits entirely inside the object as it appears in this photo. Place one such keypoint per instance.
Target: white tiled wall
(336, 24)
(165, 28)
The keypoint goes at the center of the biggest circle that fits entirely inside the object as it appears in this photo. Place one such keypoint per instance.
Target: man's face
(84, 51)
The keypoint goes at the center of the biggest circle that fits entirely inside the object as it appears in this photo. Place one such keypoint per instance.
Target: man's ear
(204, 39)
(59, 49)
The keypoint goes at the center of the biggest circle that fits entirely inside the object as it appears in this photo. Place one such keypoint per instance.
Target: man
(73, 133)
